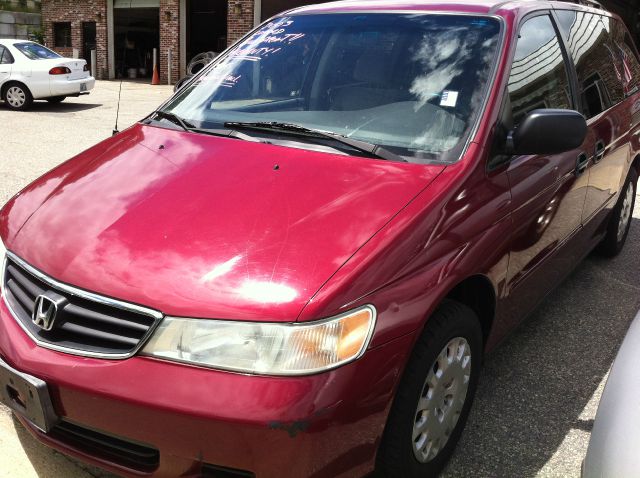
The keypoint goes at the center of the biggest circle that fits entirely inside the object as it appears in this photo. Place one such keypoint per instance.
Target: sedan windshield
(33, 51)
(411, 83)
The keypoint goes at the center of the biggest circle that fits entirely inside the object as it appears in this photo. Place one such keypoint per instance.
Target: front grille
(136, 456)
(84, 324)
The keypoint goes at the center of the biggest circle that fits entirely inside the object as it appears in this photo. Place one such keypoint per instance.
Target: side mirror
(548, 131)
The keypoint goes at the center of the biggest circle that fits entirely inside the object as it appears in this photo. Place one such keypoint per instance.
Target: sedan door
(6, 64)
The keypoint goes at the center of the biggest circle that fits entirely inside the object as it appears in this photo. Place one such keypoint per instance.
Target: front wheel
(435, 395)
(620, 222)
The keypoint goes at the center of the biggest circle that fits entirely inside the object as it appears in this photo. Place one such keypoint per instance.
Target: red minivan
(294, 266)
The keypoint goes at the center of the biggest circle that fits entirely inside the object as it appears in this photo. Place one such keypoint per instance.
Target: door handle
(581, 164)
(600, 150)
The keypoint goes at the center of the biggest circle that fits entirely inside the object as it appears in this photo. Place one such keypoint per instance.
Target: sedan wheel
(17, 97)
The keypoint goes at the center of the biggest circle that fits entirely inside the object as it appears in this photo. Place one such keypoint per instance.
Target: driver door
(548, 191)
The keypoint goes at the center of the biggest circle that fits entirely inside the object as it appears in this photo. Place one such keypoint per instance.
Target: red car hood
(203, 226)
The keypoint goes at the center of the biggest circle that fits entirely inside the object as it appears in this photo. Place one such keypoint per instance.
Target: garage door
(136, 4)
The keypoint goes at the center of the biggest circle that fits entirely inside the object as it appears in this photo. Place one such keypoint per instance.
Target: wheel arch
(10, 82)
(635, 164)
(478, 293)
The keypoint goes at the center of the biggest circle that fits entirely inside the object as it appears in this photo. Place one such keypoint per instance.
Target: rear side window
(34, 51)
(628, 66)
(539, 76)
(5, 56)
(597, 59)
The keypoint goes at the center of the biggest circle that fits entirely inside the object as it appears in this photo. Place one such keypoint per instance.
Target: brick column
(169, 39)
(76, 13)
(239, 19)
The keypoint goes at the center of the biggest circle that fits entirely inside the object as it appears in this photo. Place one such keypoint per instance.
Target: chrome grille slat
(24, 282)
(85, 324)
(15, 303)
(98, 318)
(21, 295)
(96, 334)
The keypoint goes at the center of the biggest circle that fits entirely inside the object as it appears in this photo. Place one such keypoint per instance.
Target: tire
(398, 456)
(620, 221)
(56, 99)
(17, 96)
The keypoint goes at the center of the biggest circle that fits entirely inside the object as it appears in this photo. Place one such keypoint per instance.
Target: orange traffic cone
(155, 79)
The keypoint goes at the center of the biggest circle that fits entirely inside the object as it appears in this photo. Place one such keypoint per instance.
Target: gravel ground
(539, 390)
(32, 143)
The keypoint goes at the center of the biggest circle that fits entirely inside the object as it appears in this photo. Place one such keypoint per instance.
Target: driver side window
(539, 77)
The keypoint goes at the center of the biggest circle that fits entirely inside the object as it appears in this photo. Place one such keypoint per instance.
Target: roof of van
(475, 6)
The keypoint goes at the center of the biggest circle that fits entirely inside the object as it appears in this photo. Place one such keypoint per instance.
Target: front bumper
(327, 424)
(64, 87)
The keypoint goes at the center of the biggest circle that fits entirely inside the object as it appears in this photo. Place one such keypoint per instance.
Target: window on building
(62, 34)
(539, 76)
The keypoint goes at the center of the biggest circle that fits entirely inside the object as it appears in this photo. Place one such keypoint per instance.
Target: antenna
(124, 55)
(115, 130)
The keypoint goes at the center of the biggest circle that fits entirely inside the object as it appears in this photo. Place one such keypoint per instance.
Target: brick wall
(169, 39)
(76, 13)
(239, 19)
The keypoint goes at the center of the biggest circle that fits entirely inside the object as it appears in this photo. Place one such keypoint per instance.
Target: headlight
(265, 348)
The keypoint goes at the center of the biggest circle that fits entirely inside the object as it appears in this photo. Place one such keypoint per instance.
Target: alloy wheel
(625, 212)
(442, 399)
(16, 96)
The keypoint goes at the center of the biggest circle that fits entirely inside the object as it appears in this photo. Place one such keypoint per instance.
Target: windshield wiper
(374, 150)
(175, 119)
(185, 125)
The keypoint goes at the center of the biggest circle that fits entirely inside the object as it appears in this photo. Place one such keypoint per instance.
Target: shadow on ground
(46, 107)
(536, 384)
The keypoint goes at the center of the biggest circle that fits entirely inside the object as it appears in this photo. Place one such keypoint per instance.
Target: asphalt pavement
(538, 392)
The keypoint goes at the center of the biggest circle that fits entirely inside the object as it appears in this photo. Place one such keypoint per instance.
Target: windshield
(413, 83)
(33, 51)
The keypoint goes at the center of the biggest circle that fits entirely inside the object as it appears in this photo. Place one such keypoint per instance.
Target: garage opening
(88, 41)
(206, 27)
(136, 33)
